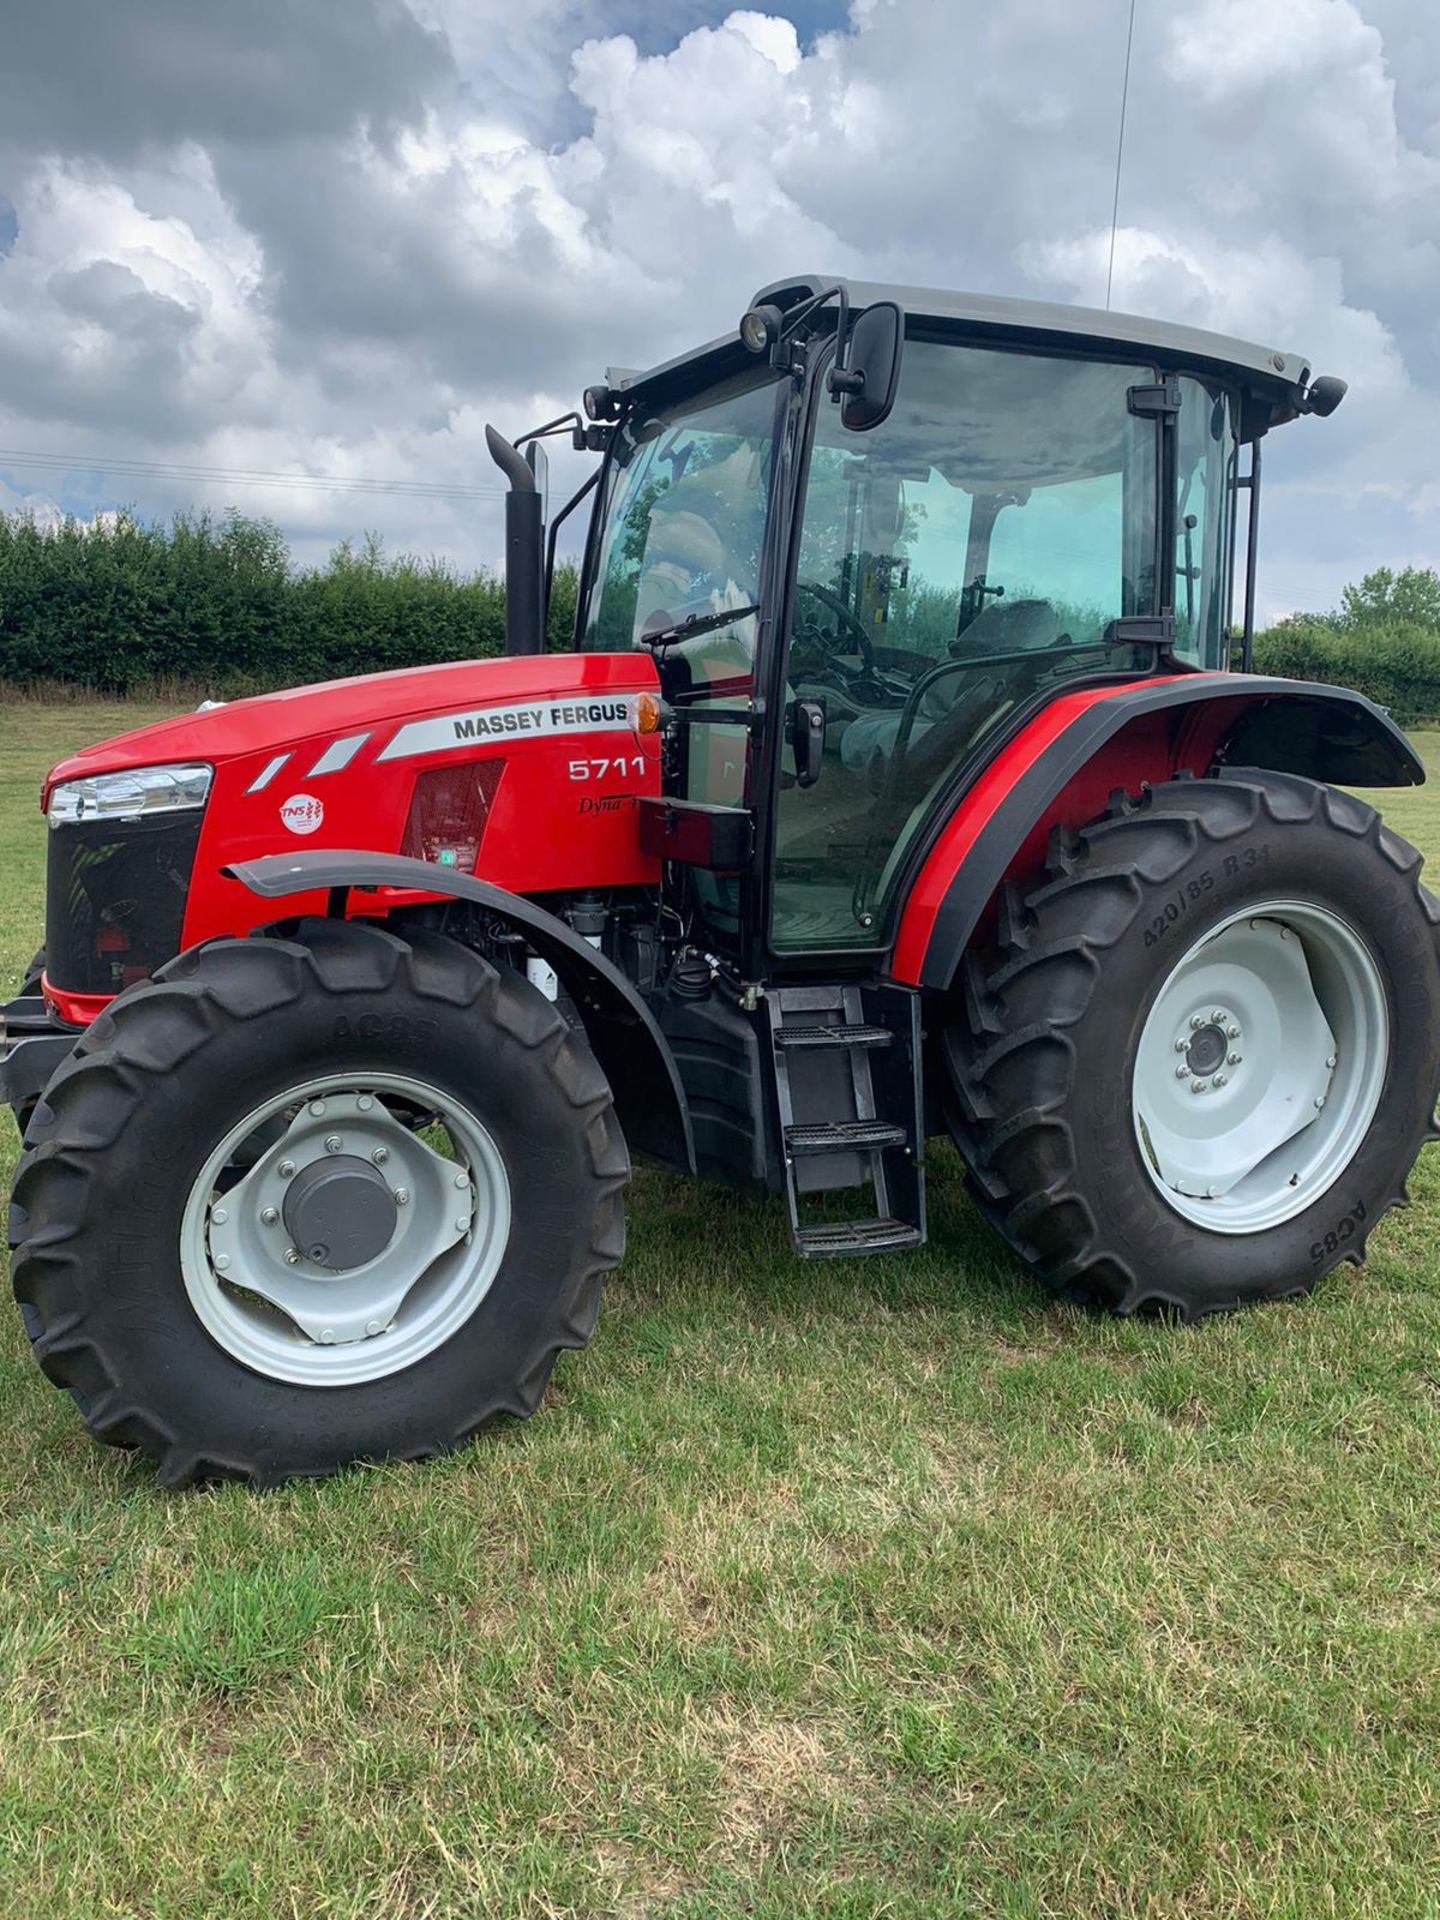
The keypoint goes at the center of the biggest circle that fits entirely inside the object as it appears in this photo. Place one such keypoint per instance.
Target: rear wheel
(1184, 1079)
(299, 1202)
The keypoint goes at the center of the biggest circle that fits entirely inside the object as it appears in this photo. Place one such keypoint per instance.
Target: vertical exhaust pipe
(524, 549)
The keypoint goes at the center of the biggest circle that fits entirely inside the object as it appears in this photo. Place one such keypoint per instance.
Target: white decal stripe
(338, 754)
(267, 773)
(560, 713)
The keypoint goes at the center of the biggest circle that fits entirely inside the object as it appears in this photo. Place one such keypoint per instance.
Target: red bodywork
(558, 816)
(559, 763)
(1152, 749)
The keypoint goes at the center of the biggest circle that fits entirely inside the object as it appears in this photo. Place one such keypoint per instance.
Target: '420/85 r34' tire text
(1204, 1059)
(304, 1201)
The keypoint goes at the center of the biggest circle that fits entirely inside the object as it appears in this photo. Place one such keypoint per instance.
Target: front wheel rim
(290, 1312)
(1260, 1067)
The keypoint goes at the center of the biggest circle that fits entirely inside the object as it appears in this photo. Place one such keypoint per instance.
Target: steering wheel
(848, 619)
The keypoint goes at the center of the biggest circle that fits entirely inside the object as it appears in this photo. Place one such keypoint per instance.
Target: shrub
(1395, 663)
(123, 606)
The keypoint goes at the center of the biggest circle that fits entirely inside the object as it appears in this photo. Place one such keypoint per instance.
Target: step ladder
(847, 1089)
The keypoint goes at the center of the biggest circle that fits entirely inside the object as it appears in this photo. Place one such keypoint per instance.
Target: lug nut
(1234, 1059)
(380, 1156)
(1232, 1032)
(402, 1196)
(1181, 1044)
(1197, 1086)
(1219, 1080)
(333, 1143)
(1197, 1020)
(219, 1216)
(292, 1256)
(268, 1216)
(1182, 1072)
(317, 1107)
(1219, 1018)
(286, 1169)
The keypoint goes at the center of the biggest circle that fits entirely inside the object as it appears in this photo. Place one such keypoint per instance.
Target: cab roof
(1269, 374)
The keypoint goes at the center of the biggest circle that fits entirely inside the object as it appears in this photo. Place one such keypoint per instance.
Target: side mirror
(865, 385)
(1324, 395)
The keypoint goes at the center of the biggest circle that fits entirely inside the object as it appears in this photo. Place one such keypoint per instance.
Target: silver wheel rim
(1260, 1067)
(290, 1312)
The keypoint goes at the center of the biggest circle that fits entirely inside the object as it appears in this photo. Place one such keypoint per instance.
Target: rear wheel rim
(404, 1149)
(1260, 1067)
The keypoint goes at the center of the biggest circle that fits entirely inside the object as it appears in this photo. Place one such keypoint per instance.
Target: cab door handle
(807, 737)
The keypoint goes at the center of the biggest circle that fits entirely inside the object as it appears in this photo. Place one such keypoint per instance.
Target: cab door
(953, 566)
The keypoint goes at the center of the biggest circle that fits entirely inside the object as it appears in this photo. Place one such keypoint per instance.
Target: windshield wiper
(696, 624)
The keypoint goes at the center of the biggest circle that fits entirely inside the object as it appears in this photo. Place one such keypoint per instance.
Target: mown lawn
(884, 1587)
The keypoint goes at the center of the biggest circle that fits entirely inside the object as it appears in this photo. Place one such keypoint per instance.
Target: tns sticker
(302, 813)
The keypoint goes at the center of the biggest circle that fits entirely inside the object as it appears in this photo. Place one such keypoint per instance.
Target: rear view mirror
(867, 381)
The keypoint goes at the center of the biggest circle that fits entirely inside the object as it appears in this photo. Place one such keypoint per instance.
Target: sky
(335, 237)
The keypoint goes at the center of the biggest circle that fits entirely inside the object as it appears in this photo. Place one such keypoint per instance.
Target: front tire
(424, 1125)
(1255, 887)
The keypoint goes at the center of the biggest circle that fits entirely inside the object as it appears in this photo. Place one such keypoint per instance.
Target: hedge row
(217, 605)
(1396, 664)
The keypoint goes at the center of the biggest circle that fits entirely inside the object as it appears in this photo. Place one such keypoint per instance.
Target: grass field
(885, 1587)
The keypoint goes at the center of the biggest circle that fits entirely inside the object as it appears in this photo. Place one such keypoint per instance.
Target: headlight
(134, 794)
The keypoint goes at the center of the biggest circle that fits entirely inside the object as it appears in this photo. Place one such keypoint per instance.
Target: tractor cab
(862, 559)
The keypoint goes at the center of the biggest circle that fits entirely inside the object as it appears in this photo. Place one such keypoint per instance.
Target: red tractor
(897, 784)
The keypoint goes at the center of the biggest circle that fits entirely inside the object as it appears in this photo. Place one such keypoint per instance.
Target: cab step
(837, 1238)
(845, 1058)
(788, 1037)
(843, 1136)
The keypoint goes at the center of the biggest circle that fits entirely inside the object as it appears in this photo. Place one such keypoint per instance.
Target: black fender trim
(633, 1053)
(1288, 726)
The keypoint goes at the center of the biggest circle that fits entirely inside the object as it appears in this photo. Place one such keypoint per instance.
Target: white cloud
(509, 201)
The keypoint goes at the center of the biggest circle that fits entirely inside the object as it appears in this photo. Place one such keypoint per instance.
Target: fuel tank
(523, 771)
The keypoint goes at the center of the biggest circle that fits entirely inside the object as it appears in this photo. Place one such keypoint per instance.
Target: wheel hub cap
(1260, 1066)
(339, 1213)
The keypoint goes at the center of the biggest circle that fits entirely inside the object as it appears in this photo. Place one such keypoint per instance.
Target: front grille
(115, 899)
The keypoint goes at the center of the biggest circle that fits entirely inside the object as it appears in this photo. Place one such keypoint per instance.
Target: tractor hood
(374, 705)
(525, 772)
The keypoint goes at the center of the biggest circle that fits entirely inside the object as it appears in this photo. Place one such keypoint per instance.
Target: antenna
(1119, 156)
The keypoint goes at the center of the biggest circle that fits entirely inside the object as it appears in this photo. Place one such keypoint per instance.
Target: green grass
(885, 1587)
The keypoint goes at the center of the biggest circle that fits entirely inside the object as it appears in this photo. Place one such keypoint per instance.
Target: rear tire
(1045, 1037)
(126, 1135)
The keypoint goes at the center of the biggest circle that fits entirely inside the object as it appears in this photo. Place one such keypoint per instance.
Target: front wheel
(1202, 1065)
(299, 1202)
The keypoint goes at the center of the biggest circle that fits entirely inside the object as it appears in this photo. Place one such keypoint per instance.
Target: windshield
(684, 516)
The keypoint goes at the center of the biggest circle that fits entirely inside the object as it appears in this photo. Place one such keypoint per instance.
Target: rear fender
(1062, 767)
(633, 1053)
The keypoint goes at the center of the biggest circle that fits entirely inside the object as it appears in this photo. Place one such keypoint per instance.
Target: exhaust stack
(524, 549)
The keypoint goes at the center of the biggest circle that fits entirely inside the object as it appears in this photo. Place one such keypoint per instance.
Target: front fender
(1061, 766)
(633, 1053)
